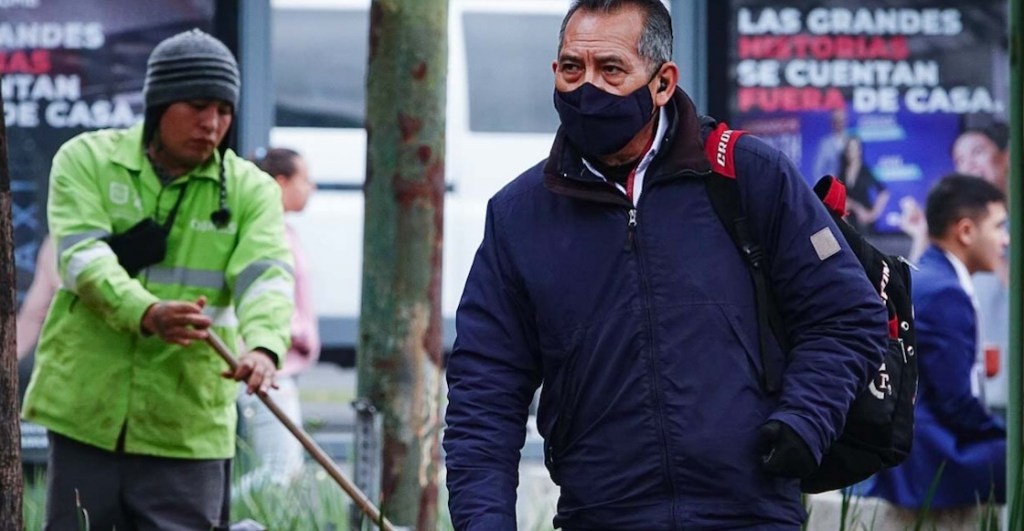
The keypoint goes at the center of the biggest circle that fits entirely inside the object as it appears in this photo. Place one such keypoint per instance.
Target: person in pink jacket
(277, 454)
(37, 299)
(34, 308)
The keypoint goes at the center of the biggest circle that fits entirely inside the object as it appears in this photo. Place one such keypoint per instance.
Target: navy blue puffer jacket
(645, 339)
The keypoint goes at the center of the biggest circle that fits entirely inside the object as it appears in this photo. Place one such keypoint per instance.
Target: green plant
(33, 504)
(311, 503)
(989, 514)
(844, 509)
(81, 513)
(922, 515)
(383, 511)
(315, 503)
(33, 501)
(806, 502)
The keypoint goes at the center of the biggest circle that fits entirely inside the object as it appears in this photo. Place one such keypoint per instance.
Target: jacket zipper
(631, 223)
(630, 230)
(567, 186)
(633, 243)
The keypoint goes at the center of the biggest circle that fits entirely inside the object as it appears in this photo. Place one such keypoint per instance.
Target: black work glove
(783, 452)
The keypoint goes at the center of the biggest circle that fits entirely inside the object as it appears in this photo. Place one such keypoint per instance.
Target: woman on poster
(866, 196)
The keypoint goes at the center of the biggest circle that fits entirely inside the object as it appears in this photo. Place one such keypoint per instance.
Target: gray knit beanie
(190, 65)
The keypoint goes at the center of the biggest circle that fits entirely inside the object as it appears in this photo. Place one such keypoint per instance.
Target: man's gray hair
(655, 44)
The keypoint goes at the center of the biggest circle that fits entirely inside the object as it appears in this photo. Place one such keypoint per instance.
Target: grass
(922, 516)
(853, 516)
(312, 503)
(315, 503)
(33, 503)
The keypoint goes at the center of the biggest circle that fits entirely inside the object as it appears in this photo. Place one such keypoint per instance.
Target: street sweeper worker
(161, 236)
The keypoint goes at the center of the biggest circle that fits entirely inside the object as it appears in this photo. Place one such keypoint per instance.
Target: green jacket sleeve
(260, 269)
(78, 221)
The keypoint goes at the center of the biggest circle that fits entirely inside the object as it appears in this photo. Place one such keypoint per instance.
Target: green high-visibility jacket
(96, 372)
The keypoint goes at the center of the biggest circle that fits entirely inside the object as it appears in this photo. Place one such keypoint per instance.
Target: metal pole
(366, 462)
(256, 112)
(1016, 207)
(690, 47)
(364, 503)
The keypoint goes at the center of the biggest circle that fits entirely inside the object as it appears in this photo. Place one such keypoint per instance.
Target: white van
(500, 121)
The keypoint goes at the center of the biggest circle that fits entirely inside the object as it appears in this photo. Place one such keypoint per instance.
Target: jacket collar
(128, 153)
(952, 264)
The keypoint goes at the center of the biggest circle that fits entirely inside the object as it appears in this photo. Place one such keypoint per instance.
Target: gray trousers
(133, 492)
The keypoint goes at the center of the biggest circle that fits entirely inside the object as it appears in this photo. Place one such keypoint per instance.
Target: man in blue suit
(954, 431)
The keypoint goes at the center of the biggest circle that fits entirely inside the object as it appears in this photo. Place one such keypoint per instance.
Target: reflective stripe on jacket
(95, 371)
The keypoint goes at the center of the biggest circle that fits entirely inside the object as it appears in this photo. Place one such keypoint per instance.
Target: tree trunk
(400, 334)
(10, 427)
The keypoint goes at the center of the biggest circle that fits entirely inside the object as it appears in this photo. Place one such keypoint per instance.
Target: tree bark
(10, 426)
(400, 336)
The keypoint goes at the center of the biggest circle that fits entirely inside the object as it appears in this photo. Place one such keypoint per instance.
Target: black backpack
(879, 427)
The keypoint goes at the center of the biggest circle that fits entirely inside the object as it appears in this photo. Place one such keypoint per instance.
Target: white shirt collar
(659, 136)
(961, 274)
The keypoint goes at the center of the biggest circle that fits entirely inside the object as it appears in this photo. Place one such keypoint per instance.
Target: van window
(508, 59)
(319, 57)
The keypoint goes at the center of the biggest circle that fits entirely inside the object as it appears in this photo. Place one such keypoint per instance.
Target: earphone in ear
(662, 86)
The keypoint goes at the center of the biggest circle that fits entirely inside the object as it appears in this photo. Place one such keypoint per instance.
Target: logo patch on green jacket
(119, 193)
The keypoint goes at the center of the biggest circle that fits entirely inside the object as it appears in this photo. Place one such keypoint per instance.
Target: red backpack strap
(719, 148)
(832, 192)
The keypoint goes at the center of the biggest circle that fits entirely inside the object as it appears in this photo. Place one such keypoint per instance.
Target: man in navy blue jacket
(605, 274)
(967, 226)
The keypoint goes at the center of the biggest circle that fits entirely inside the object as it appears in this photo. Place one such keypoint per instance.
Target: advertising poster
(874, 92)
(69, 66)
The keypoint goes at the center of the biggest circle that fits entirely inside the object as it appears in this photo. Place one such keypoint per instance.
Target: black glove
(783, 452)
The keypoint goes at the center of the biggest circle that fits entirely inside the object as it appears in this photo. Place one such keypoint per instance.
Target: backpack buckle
(753, 254)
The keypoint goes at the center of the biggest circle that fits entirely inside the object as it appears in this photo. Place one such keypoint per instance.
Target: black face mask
(599, 123)
(145, 243)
